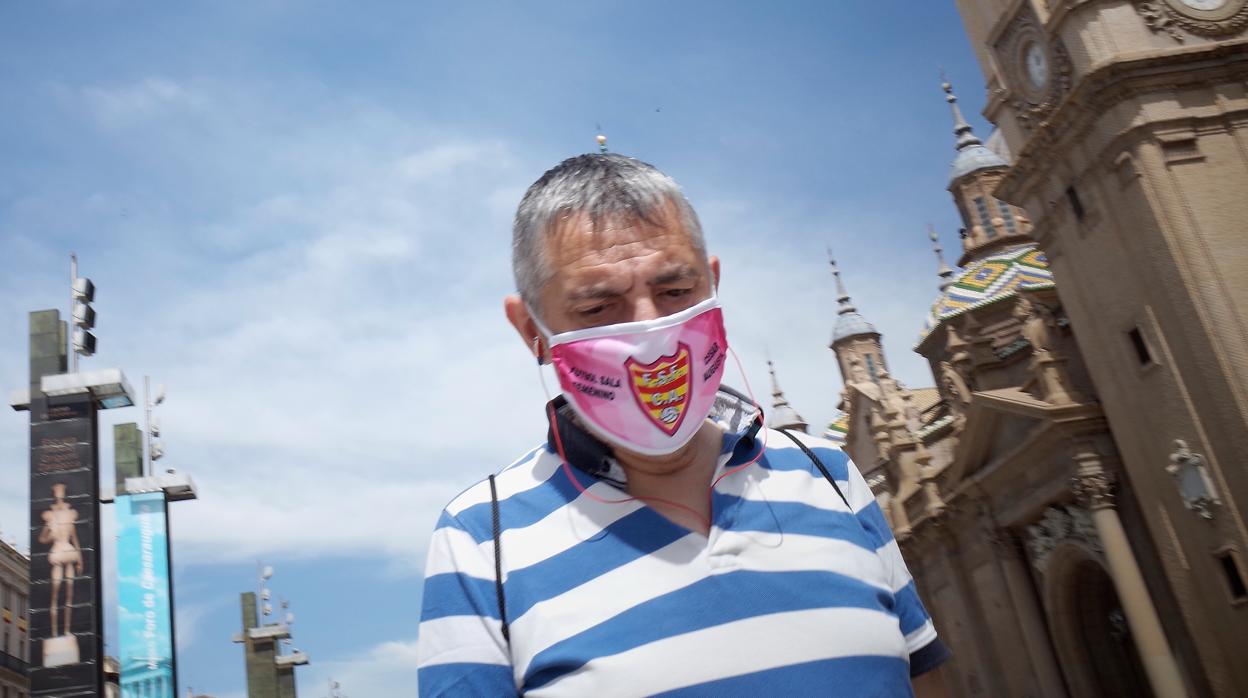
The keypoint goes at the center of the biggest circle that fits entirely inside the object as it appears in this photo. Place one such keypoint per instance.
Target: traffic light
(84, 317)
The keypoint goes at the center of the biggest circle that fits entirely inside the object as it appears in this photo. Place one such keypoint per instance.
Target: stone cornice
(17, 561)
(1059, 10)
(1108, 84)
(968, 470)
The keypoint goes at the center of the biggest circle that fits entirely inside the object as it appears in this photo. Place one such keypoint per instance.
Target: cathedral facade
(1069, 496)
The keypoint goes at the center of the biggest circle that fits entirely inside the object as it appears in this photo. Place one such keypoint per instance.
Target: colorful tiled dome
(838, 429)
(989, 279)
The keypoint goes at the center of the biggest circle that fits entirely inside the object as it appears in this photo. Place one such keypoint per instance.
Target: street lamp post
(270, 673)
(66, 635)
(145, 555)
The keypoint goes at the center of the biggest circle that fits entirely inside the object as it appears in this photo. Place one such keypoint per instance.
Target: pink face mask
(645, 386)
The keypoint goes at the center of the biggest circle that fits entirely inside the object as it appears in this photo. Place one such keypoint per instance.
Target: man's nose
(644, 309)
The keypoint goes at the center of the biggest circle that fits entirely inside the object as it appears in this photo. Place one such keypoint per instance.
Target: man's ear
(714, 262)
(520, 318)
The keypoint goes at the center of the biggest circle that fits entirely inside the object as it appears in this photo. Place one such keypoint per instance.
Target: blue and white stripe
(790, 592)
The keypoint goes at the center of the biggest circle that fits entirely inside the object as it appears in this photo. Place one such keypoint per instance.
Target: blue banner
(144, 616)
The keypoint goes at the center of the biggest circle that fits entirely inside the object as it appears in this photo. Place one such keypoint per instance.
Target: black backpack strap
(498, 561)
(818, 464)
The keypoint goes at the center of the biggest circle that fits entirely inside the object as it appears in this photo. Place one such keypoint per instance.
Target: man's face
(622, 272)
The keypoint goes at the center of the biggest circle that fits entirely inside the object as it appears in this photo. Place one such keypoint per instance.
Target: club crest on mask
(662, 388)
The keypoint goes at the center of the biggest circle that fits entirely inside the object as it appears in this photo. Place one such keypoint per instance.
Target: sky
(297, 216)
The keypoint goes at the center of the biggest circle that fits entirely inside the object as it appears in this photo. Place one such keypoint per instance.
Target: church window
(1234, 577)
(1142, 354)
(871, 368)
(1008, 216)
(985, 220)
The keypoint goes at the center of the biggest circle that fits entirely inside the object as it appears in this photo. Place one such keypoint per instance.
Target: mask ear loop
(567, 468)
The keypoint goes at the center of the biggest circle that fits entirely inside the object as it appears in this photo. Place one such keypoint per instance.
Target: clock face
(1206, 5)
(1037, 59)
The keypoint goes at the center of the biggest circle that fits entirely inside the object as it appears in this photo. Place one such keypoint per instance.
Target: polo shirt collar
(734, 413)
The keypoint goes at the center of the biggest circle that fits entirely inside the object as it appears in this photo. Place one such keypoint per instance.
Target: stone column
(1093, 486)
(1027, 610)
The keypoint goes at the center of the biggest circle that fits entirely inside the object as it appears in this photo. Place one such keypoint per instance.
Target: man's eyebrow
(604, 289)
(598, 291)
(680, 272)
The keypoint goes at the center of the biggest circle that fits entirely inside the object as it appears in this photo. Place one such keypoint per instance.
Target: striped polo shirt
(792, 592)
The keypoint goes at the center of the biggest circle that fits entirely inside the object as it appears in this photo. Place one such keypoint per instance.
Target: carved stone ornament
(896, 399)
(957, 393)
(1037, 324)
(1038, 67)
(1170, 16)
(879, 434)
(959, 350)
(1060, 525)
(1093, 490)
(1192, 478)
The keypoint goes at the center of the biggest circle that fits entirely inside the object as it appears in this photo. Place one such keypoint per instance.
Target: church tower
(988, 223)
(1128, 125)
(782, 415)
(855, 341)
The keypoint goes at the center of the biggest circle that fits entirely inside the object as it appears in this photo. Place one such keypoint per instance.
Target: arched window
(985, 219)
(1008, 216)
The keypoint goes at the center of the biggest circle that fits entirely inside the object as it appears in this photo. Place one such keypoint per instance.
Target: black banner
(66, 629)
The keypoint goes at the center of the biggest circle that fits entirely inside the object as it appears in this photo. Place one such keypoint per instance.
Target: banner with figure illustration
(144, 619)
(66, 635)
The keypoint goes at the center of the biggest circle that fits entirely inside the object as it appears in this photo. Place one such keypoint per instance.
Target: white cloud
(128, 104)
(351, 515)
(443, 159)
(188, 618)
(330, 388)
(385, 669)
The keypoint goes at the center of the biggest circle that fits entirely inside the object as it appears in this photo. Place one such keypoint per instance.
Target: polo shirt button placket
(722, 557)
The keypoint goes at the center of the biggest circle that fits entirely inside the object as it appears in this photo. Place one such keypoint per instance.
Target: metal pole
(147, 425)
(260, 586)
(73, 278)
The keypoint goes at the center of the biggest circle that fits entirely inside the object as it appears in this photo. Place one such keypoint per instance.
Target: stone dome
(850, 324)
(972, 159)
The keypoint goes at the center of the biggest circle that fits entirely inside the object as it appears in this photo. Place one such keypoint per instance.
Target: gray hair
(603, 186)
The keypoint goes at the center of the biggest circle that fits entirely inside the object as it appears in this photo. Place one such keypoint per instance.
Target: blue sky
(297, 216)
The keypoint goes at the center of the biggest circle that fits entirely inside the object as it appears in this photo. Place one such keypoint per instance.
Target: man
(660, 541)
